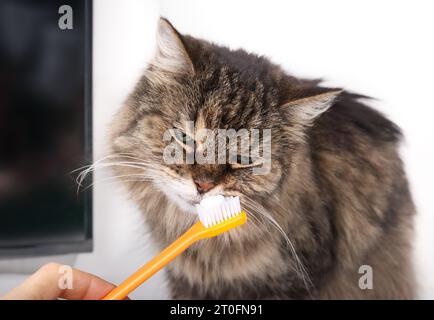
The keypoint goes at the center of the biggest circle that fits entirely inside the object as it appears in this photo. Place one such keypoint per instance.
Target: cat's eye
(182, 138)
(245, 162)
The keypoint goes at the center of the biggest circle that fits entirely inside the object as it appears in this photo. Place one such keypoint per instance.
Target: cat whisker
(113, 155)
(301, 270)
(86, 170)
(122, 181)
(143, 177)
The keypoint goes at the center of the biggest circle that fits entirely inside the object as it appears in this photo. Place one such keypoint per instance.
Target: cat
(333, 217)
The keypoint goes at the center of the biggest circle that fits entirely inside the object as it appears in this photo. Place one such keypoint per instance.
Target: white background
(379, 48)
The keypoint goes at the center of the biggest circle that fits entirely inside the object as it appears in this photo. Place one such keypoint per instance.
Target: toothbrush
(217, 214)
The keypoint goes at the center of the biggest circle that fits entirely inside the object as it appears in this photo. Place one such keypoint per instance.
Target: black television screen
(45, 126)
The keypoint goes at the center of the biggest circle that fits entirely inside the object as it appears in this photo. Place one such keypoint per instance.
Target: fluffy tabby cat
(336, 197)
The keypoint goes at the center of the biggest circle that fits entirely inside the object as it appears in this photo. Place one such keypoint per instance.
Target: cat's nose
(204, 186)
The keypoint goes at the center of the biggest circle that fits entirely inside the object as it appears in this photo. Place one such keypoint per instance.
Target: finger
(45, 285)
(42, 285)
(86, 287)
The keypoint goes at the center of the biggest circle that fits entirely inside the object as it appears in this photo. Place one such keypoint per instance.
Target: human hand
(44, 284)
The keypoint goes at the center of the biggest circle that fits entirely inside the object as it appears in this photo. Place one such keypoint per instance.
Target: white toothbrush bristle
(233, 210)
(225, 211)
(216, 209)
(220, 213)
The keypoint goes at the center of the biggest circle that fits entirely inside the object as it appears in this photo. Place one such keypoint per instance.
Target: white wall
(378, 48)
(123, 41)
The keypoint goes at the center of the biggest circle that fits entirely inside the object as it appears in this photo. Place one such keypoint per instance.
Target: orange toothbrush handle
(196, 232)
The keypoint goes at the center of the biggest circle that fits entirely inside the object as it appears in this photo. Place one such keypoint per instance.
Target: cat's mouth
(199, 198)
(186, 198)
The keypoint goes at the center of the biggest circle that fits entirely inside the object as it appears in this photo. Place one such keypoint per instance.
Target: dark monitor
(45, 126)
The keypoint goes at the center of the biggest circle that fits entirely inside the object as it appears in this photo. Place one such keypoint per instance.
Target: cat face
(193, 91)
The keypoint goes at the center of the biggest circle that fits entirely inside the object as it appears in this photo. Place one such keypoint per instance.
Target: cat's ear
(171, 54)
(305, 110)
